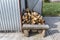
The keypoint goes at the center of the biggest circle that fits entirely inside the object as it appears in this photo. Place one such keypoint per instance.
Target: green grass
(51, 9)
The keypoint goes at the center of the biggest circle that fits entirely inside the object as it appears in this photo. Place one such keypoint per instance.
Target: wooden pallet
(39, 28)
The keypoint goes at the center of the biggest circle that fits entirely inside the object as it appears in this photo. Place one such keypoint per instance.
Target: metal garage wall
(22, 5)
(36, 5)
(9, 15)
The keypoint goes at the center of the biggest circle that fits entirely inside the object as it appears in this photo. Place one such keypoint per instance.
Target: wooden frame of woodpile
(32, 18)
(32, 21)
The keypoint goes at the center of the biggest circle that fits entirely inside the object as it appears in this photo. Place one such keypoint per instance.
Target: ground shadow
(52, 29)
(33, 33)
(53, 23)
(51, 32)
(7, 31)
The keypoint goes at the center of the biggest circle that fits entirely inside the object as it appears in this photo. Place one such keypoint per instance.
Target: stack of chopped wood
(31, 17)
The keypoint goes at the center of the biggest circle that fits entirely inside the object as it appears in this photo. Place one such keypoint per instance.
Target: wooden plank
(29, 26)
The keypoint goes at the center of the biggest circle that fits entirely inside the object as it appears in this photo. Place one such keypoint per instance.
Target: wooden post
(42, 32)
(26, 33)
(20, 16)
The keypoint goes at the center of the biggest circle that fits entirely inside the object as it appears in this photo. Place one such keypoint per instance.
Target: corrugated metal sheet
(36, 5)
(9, 15)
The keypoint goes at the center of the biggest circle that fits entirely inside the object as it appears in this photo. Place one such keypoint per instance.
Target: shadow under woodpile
(33, 33)
(7, 31)
(47, 33)
(53, 23)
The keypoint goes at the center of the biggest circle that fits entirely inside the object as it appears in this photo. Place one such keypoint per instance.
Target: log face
(31, 17)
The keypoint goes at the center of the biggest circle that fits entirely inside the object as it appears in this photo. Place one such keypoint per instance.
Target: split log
(33, 21)
(31, 17)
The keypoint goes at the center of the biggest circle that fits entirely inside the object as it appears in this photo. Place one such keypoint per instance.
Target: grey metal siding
(22, 5)
(36, 5)
(10, 15)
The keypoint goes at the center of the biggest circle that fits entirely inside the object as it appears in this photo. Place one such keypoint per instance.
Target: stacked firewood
(32, 17)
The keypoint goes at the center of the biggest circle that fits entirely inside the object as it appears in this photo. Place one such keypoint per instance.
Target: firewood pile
(32, 17)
